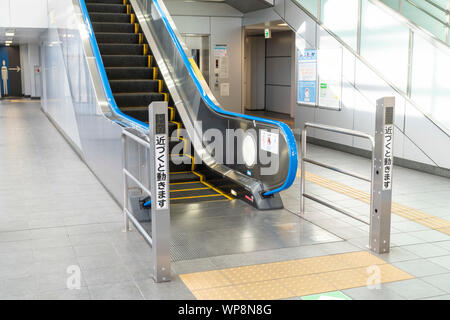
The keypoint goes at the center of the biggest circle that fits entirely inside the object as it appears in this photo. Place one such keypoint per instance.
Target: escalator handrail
(290, 139)
(101, 68)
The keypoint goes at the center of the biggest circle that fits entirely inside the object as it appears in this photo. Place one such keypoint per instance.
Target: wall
(278, 71)
(224, 26)
(362, 86)
(23, 14)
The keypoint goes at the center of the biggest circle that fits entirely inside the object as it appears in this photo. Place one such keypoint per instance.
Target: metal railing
(157, 187)
(304, 158)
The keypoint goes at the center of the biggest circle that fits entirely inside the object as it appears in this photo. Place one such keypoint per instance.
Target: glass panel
(430, 86)
(394, 4)
(385, 44)
(425, 20)
(341, 17)
(310, 5)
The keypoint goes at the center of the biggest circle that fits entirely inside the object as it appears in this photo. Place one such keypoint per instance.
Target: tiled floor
(54, 214)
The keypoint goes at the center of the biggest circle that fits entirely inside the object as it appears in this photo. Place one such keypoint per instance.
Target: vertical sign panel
(388, 156)
(307, 76)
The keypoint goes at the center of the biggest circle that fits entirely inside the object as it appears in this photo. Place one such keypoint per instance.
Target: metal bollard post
(125, 182)
(159, 188)
(383, 156)
(302, 171)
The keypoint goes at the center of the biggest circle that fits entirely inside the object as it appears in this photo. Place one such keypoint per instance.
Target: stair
(135, 82)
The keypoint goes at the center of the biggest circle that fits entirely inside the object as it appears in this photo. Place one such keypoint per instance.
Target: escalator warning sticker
(162, 176)
(269, 141)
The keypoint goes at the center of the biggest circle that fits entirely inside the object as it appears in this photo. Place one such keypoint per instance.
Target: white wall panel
(29, 13)
(194, 25)
(5, 20)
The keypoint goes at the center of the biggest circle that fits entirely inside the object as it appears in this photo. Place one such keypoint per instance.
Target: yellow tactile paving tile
(223, 293)
(389, 273)
(293, 278)
(265, 290)
(415, 215)
(307, 285)
(359, 259)
(346, 279)
(205, 280)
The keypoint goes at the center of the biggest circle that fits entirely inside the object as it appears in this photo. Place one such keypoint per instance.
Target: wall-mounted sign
(307, 76)
(267, 33)
(221, 61)
(269, 141)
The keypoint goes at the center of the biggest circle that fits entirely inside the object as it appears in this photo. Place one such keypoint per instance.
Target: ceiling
(274, 26)
(248, 5)
(21, 35)
(243, 6)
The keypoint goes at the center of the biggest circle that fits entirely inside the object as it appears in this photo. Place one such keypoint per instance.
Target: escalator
(138, 59)
(136, 82)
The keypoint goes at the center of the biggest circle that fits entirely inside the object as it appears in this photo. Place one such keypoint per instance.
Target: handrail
(101, 69)
(290, 139)
(304, 159)
(428, 13)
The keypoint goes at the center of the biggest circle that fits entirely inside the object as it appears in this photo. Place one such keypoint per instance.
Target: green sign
(267, 33)
(336, 295)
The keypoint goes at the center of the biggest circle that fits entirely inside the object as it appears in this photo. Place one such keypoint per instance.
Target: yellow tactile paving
(223, 293)
(293, 278)
(359, 259)
(417, 216)
(307, 285)
(203, 280)
(265, 290)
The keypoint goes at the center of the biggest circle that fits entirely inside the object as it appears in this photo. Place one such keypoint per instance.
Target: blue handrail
(101, 69)
(290, 139)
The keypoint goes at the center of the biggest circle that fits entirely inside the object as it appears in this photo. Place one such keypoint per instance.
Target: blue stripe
(101, 69)
(292, 146)
(290, 139)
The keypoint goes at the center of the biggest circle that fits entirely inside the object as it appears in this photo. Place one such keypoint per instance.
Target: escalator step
(129, 73)
(192, 193)
(113, 27)
(180, 163)
(183, 177)
(121, 49)
(106, 7)
(198, 199)
(123, 86)
(121, 38)
(125, 61)
(105, 1)
(136, 99)
(110, 17)
(187, 185)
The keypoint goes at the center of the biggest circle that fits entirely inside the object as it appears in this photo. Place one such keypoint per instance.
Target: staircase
(136, 82)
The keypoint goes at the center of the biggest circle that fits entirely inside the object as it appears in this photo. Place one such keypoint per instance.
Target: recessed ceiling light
(9, 33)
(7, 44)
(283, 24)
(8, 41)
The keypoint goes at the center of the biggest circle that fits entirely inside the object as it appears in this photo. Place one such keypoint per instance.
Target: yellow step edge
(136, 27)
(155, 73)
(196, 197)
(129, 9)
(172, 115)
(132, 18)
(160, 86)
(150, 61)
(141, 38)
(125, 2)
(202, 180)
(145, 49)
(206, 188)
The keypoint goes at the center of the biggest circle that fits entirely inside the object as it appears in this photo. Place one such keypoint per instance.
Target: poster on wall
(330, 77)
(307, 76)
(221, 61)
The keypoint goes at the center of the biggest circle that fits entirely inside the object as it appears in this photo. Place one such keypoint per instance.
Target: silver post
(380, 215)
(125, 182)
(302, 170)
(159, 188)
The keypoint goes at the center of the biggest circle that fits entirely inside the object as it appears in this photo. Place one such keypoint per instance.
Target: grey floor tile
(364, 293)
(174, 290)
(65, 294)
(443, 261)
(414, 289)
(107, 275)
(426, 250)
(443, 297)
(117, 291)
(441, 281)
(420, 268)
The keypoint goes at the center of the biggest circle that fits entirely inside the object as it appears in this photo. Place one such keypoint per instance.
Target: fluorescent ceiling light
(9, 33)
(7, 44)
(8, 41)
(283, 24)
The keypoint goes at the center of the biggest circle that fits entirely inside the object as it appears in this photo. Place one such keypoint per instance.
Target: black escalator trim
(135, 81)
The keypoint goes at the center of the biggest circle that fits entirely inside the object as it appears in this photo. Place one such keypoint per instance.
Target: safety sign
(307, 76)
(269, 141)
